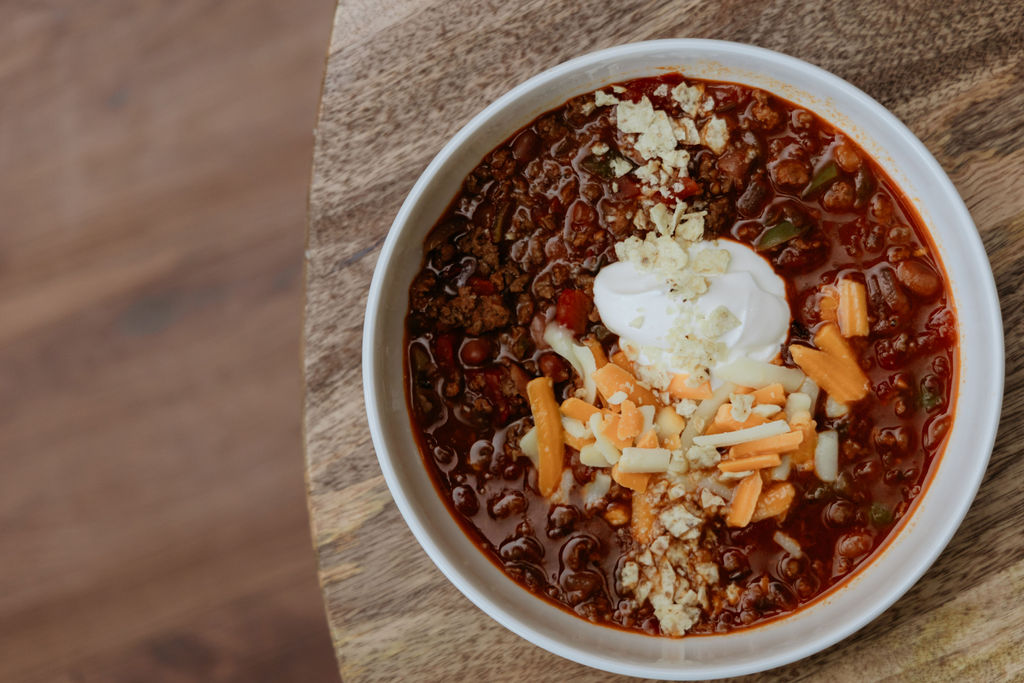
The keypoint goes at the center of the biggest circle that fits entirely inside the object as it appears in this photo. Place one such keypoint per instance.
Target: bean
(576, 552)
(735, 561)
(554, 367)
(846, 157)
(894, 296)
(900, 234)
(838, 197)
(561, 520)
(790, 173)
(897, 254)
(882, 209)
(853, 544)
(475, 351)
(525, 146)
(522, 549)
(508, 503)
(918, 277)
(585, 582)
(465, 500)
(840, 513)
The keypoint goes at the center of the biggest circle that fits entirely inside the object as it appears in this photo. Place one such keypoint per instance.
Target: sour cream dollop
(637, 306)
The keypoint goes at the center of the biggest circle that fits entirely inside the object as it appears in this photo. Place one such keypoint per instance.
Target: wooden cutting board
(403, 76)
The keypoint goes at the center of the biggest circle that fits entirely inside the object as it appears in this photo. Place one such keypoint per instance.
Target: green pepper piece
(880, 514)
(599, 165)
(779, 233)
(602, 165)
(864, 186)
(819, 492)
(823, 177)
(930, 399)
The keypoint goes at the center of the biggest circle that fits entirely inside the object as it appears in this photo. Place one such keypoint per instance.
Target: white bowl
(937, 512)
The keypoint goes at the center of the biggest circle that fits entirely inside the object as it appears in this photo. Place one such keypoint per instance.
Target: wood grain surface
(404, 76)
(154, 169)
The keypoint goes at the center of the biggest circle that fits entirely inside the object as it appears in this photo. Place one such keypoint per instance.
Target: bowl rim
(987, 433)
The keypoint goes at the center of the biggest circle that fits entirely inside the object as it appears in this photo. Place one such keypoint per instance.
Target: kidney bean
(840, 513)
(846, 157)
(576, 552)
(475, 351)
(854, 544)
(465, 501)
(894, 296)
(508, 503)
(551, 365)
(918, 277)
(562, 520)
(522, 549)
(790, 173)
(525, 146)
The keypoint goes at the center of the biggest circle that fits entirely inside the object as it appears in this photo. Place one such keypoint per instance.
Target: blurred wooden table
(154, 169)
(403, 77)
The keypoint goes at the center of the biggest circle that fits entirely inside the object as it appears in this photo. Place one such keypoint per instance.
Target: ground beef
(720, 217)
(763, 113)
(479, 244)
(476, 314)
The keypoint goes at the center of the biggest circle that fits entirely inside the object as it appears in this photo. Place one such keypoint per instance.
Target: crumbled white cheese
(685, 131)
(661, 90)
(658, 254)
(710, 500)
(653, 126)
(635, 117)
(678, 521)
(703, 457)
(715, 134)
(660, 545)
(691, 226)
(686, 407)
(741, 406)
(618, 88)
(676, 491)
(718, 322)
(603, 99)
(710, 261)
(618, 397)
(676, 619)
(629, 576)
(708, 571)
(649, 173)
(688, 97)
(766, 409)
(834, 408)
(662, 219)
(599, 148)
(620, 167)
(675, 161)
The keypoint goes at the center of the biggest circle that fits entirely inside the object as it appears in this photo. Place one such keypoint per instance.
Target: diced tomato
(689, 188)
(573, 309)
(492, 390)
(481, 285)
(627, 188)
(444, 352)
